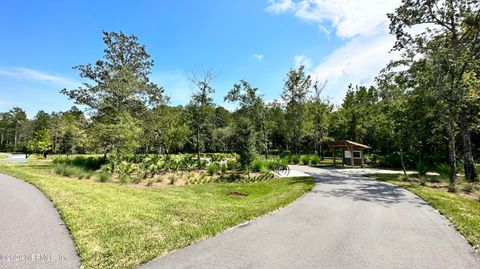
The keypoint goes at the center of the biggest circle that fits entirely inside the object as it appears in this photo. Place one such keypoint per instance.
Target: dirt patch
(237, 194)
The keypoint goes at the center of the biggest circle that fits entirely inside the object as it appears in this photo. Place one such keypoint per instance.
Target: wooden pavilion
(352, 152)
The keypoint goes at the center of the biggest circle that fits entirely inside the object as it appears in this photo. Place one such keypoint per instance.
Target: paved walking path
(14, 158)
(32, 235)
(347, 221)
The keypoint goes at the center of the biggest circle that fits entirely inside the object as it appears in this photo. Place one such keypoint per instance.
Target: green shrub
(57, 169)
(86, 162)
(285, 160)
(69, 171)
(150, 182)
(295, 159)
(257, 165)
(59, 160)
(452, 187)
(104, 176)
(127, 168)
(123, 179)
(314, 159)
(305, 159)
(270, 164)
(106, 168)
(212, 168)
(443, 170)
(202, 164)
(137, 178)
(422, 168)
(390, 161)
(223, 168)
(172, 179)
(423, 180)
(232, 164)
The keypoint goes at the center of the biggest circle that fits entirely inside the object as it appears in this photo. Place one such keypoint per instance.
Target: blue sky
(341, 41)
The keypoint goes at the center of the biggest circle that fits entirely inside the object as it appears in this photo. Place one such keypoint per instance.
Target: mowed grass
(3, 156)
(121, 227)
(464, 213)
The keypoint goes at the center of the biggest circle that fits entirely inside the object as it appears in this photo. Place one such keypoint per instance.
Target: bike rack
(281, 169)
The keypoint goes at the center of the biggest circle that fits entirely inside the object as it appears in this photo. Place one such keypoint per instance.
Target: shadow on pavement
(360, 188)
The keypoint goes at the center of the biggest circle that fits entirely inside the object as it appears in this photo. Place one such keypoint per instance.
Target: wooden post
(351, 156)
(361, 156)
(334, 159)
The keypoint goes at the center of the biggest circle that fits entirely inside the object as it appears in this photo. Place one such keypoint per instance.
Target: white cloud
(259, 57)
(357, 61)
(280, 6)
(347, 17)
(302, 60)
(22, 73)
(362, 27)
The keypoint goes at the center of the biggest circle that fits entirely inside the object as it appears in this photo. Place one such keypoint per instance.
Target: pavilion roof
(346, 144)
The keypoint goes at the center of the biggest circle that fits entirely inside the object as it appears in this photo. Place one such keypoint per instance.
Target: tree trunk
(266, 148)
(6, 139)
(15, 140)
(198, 145)
(451, 155)
(402, 162)
(55, 143)
(320, 148)
(322, 156)
(468, 162)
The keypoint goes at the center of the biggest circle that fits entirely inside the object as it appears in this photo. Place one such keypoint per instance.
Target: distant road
(14, 158)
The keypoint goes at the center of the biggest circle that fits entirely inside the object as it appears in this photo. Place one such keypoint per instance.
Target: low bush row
(86, 162)
(72, 171)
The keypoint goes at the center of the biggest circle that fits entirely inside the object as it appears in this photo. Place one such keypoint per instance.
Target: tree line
(423, 110)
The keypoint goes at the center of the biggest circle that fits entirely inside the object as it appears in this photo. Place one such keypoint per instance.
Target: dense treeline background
(423, 110)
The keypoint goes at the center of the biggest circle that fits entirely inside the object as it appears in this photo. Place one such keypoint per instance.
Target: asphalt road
(32, 235)
(347, 221)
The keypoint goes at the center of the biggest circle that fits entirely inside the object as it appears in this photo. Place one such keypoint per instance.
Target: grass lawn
(118, 226)
(2, 156)
(463, 212)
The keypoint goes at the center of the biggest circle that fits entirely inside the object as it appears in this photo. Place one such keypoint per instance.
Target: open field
(120, 226)
(462, 209)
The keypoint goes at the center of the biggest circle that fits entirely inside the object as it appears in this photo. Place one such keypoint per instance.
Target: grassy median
(118, 226)
(463, 212)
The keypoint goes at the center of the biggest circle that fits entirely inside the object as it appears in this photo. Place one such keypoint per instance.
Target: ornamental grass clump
(212, 169)
(104, 176)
